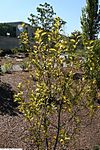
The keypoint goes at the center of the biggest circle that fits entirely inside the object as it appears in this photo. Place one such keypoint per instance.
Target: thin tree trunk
(58, 130)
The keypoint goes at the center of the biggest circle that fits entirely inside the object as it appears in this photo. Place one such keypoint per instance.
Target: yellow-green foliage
(24, 40)
(54, 92)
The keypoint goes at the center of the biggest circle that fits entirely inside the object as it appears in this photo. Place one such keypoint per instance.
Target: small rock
(16, 68)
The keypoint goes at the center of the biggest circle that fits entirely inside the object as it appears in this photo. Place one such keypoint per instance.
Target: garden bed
(13, 127)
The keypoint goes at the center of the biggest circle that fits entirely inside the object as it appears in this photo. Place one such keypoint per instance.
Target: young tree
(54, 99)
(90, 20)
(45, 17)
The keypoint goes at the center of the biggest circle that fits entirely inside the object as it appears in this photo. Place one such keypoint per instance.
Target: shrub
(6, 68)
(25, 65)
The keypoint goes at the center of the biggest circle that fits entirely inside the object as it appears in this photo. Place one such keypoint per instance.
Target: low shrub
(25, 66)
(6, 68)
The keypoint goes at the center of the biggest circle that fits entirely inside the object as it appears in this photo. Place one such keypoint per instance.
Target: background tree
(43, 20)
(90, 20)
(45, 17)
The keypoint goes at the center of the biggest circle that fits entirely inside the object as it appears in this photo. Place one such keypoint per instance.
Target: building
(9, 33)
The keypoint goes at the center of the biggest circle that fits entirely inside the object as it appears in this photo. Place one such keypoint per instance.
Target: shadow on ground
(7, 104)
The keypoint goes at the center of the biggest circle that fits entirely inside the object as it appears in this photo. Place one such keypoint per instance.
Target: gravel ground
(13, 127)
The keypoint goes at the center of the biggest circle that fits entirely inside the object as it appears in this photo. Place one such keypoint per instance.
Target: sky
(20, 10)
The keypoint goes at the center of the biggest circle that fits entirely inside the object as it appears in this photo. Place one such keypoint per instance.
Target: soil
(13, 127)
